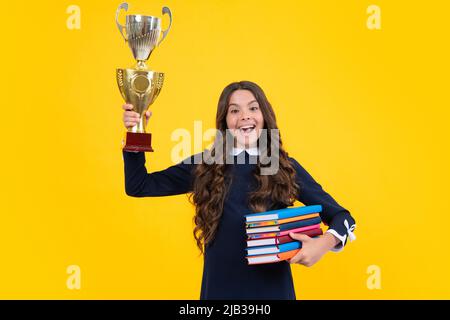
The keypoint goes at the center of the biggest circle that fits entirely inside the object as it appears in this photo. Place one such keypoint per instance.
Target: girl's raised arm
(176, 179)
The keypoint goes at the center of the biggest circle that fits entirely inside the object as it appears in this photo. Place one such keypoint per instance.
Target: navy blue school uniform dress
(226, 274)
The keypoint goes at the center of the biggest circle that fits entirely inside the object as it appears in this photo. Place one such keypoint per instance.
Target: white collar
(251, 151)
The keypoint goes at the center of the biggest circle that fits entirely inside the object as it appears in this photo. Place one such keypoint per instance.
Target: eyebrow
(235, 104)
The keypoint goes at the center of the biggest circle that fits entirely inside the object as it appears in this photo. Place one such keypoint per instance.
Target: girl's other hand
(312, 248)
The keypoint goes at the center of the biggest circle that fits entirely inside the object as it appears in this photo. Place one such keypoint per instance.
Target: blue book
(283, 213)
(274, 249)
(285, 226)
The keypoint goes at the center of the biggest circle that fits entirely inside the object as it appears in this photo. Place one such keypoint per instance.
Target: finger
(130, 124)
(130, 119)
(131, 115)
(297, 258)
(128, 114)
(299, 236)
(127, 106)
(306, 262)
(148, 114)
(133, 121)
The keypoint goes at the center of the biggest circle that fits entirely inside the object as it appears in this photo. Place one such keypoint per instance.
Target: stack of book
(268, 239)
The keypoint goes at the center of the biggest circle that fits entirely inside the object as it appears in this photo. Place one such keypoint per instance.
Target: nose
(245, 115)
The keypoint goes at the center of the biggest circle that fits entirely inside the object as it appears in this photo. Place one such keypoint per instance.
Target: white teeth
(247, 129)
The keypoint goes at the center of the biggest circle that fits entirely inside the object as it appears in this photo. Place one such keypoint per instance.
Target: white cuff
(340, 246)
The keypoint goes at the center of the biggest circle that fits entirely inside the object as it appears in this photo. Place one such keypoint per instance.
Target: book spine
(279, 257)
(281, 221)
(286, 226)
(284, 213)
(284, 239)
(278, 234)
(282, 233)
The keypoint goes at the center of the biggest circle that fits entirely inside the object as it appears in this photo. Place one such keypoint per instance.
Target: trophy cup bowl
(140, 86)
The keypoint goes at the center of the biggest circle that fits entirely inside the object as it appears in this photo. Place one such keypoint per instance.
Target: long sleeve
(339, 220)
(174, 180)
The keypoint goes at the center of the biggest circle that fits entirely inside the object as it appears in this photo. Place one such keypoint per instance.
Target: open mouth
(247, 129)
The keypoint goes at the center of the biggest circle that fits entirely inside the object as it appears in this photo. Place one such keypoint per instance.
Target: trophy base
(141, 142)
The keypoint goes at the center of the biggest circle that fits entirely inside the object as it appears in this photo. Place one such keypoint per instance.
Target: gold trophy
(139, 85)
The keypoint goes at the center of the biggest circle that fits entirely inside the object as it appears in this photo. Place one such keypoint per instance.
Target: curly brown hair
(211, 181)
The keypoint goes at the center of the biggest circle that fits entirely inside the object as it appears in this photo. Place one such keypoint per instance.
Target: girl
(224, 192)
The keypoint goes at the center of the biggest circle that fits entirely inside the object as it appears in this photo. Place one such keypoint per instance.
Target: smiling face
(244, 118)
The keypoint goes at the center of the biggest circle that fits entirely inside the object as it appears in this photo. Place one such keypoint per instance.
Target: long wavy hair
(211, 181)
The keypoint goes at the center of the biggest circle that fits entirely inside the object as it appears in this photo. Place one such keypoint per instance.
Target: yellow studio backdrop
(364, 110)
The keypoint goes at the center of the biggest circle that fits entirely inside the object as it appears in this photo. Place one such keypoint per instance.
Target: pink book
(280, 233)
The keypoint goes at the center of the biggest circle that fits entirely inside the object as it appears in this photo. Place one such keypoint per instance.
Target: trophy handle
(165, 32)
(124, 6)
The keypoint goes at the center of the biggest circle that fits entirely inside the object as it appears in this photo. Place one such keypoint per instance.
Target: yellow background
(365, 111)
